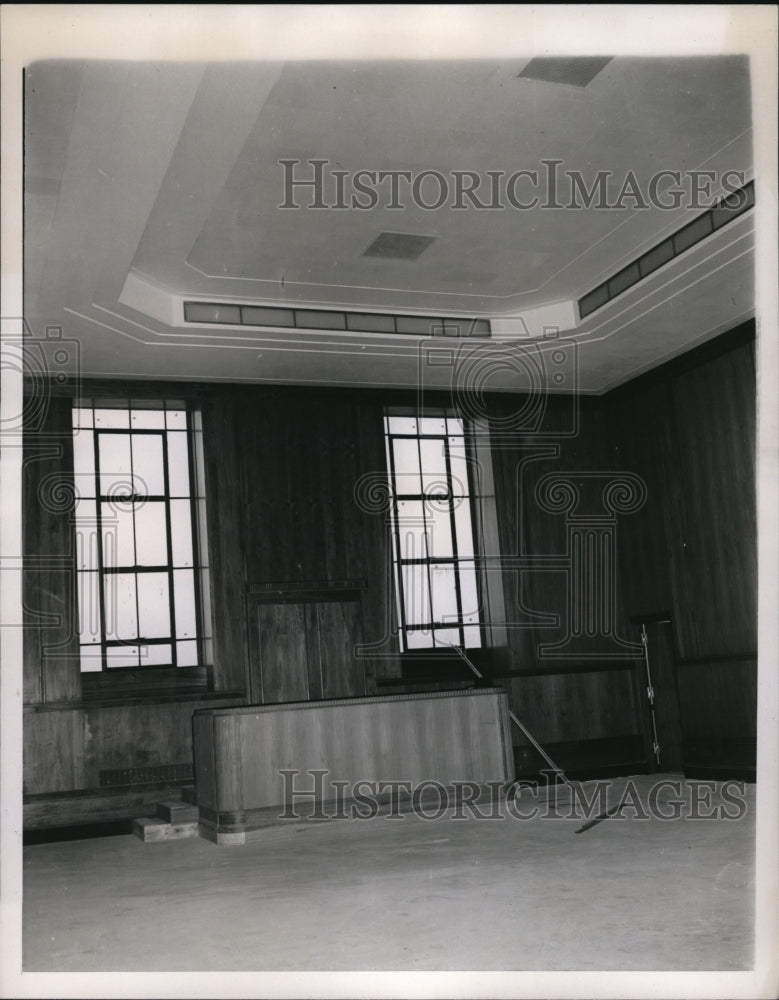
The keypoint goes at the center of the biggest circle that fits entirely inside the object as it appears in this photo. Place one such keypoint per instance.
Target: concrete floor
(409, 894)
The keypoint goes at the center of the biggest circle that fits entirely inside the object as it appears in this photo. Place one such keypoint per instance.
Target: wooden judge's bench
(257, 765)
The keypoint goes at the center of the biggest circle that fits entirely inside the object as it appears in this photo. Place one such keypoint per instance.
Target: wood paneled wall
(287, 516)
(224, 507)
(51, 664)
(282, 470)
(578, 700)
(305, 522)
(691, 550)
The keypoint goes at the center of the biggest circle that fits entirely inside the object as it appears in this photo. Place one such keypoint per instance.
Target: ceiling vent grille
(572, 71)
(399, 246)
(233, 314)
(725, 211)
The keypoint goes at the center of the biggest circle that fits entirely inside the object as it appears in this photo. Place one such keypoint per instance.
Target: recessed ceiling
(451, 189)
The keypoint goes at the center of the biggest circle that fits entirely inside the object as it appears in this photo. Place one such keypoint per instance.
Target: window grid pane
(139, 581)
(434, 562)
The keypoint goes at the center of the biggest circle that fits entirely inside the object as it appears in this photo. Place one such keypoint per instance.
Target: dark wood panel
(338, 634)
(534, 539)
(640, 434)
(280, 662)
(718, 758)
(714, 426)
(577, 706)
(317, 659)
(300, 466)
(718, 700)
(306, 650)
(136, 736)
(224, 504)
(303, 461)
(380, 656)
(51, 663)
(66, 749)
(692, 549)
(583, 759)
(53, 755)
(690, 433)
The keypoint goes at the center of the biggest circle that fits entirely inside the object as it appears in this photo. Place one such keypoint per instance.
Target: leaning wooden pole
(558, 770)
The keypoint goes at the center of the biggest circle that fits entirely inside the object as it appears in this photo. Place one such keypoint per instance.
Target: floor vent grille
(145, 775)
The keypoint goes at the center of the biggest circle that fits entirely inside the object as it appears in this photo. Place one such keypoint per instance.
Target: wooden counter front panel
(444, 737)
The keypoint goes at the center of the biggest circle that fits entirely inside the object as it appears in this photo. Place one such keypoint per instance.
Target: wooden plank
(93, 806)
(225, 542)
(339, 633)
(282, 657)
(314, 654)
(203, 753)
(51, 660)
(381, 657)
(714, 408)
(53, 757)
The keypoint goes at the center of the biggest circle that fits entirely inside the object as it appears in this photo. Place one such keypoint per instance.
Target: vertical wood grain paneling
(306, 650)
(225, 543)
(303, 456)
(642, 443)
(381, 658)
(400, 739)
(125, 736)
(339, 632)
(714, 429)
(557, 707)
(692, 550)
(51, 663)
(53, 752)
(536, 592)
(282, 656)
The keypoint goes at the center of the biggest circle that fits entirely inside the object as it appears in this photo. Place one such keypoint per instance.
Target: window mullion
(425, 537)
(397, 554)
(100, 568)
(133, 501)
(453, 530)
(193, 501)
(169, 542)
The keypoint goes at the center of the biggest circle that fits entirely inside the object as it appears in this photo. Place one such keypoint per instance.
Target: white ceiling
(148, 183)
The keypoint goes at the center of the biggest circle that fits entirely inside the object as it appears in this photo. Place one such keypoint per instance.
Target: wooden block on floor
(175, 811)
(151, 829)
(180, 831)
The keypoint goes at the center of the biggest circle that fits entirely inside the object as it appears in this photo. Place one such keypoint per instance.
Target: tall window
(434, 555)
(139, 540)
